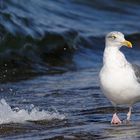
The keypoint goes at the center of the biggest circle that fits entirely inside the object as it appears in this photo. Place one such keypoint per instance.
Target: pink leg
(129, 114)
(115, 119)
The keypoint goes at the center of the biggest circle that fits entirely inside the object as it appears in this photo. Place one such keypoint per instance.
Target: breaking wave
(16, 115)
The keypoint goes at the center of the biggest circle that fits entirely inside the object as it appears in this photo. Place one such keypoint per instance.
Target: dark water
(50, 57)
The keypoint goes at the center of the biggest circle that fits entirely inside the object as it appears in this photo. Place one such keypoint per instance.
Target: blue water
(50, 56)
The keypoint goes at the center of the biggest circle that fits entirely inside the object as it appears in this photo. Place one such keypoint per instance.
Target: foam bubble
(9, 115)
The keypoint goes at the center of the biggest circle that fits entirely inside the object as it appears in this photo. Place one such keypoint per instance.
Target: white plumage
(117, 76)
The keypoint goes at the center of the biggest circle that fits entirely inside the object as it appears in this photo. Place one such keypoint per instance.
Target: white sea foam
(9, 115)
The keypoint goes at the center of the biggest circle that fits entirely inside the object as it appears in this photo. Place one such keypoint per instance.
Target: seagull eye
(113, 37)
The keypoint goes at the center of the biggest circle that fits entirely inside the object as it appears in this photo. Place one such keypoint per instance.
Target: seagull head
(116, 39)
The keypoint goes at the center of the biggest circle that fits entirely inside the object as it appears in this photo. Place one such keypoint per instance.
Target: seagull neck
(112, 49)
(113, 57)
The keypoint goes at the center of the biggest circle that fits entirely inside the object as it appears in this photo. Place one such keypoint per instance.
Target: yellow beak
(127, 44)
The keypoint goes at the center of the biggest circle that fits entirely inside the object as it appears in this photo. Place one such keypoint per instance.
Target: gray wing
(136, 69)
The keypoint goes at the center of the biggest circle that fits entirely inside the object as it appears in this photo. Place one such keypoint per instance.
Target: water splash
(9, 115)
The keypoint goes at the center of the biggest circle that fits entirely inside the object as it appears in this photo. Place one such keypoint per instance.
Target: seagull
(119, 79)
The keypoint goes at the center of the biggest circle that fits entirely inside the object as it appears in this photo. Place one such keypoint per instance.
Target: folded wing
(136, 69)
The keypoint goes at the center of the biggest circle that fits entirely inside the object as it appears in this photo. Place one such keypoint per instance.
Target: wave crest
(9, 115)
